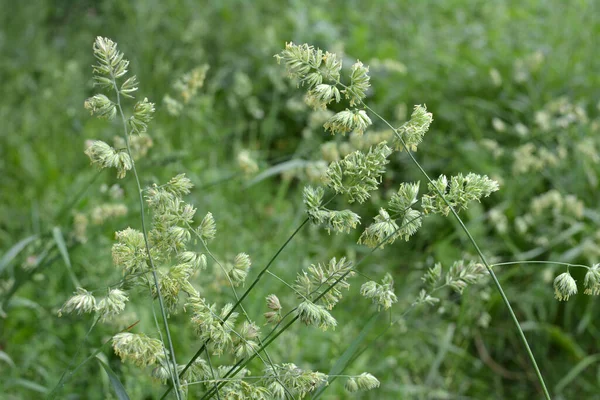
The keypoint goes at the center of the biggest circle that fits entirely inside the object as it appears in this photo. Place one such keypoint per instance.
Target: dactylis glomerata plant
(360, 172)
(160, 259)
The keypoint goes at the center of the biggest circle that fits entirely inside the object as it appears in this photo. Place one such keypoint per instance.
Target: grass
(448, 50)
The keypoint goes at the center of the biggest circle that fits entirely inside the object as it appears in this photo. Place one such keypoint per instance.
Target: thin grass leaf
(27, 384)
(14, 251)
(6, 358)
(575, 371)
(114, 381)
(62, 247)
(276, 170)
(345, 358)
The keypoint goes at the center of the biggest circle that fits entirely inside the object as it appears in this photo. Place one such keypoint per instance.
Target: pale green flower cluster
(273, 304)
(411, 133)
(456, 193)
(323, 283)
(549, 215)
(320, 72)
(110, 68)
(84, 302)
(297, 381)
(403, 222)
(565, 285)
(357, 168)
(364, 381)
(212, 326)
(138, 348)
(592, 281)
(185, 90)
(339, 221)
(458, 277)
(358, 173)
(314, 283)
(382, 293)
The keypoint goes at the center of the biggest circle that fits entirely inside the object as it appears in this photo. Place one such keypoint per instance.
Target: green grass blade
(114, 381)
(573, 373)
(62, 247)
(14, 251)
(30, 385)
(345, 358)
(276, 170)
(6, 358)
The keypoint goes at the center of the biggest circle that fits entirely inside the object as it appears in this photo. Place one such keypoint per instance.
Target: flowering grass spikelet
(457, 193)
(316, 315)
(564, 286)
(245, 344)
(179, 185)
(238, 270)
(302, 62)
(297, 381)
(196, 260)
(359, 83)
(211, 325)
(101, 106)
(381, 294)
(138, 348)
(592, 281)
(413, 131)
(462, 274)
(358, 173)
(110, 61)
(342, 221)
(208, 228)
(273, 304)
(316, 281)
(113, 304)
(143, 112)
(129, 252)
(104, 156)
(82, 302)
(366, 381)
(381, 232)
(321, 95)
(129, 86)
(351, 385)
(348, 121)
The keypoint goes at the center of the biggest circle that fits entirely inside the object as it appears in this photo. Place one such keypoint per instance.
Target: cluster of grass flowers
(162, 261)
(359, 173)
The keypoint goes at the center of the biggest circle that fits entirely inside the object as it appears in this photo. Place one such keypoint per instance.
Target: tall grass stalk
(173, 366)
(477, 249)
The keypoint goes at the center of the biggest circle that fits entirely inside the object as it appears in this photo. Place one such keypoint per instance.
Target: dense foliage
(512, 86)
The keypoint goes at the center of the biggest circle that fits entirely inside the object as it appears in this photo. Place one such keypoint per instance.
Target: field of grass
(514, 89)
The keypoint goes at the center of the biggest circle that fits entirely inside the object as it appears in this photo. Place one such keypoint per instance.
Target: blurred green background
(514, 90)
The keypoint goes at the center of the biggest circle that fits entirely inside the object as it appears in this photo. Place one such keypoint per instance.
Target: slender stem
(212, 372)
(479, 252)
(287, 284)
(541, 262)
(174, 375)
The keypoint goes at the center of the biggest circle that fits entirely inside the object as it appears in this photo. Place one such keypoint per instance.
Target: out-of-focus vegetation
(514, 89)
